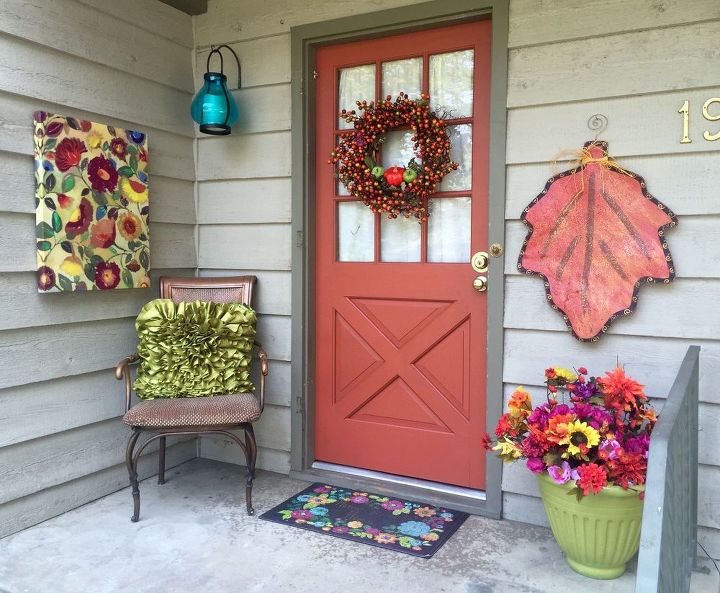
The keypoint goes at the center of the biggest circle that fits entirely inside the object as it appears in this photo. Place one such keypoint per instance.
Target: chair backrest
(226, 289)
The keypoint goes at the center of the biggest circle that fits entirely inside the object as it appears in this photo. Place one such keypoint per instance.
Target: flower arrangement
(399, 189)
(599, 437)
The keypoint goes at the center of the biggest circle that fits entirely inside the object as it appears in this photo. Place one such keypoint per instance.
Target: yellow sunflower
(134, 190)
(567, 374)
(580, 437)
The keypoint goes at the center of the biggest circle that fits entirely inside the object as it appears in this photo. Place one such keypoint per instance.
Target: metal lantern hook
(215, 49)
(597, 123)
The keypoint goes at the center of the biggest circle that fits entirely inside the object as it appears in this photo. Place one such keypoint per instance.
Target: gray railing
(668, 544)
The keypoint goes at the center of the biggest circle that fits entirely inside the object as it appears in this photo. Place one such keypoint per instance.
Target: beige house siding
(633, 61)
(61, 442)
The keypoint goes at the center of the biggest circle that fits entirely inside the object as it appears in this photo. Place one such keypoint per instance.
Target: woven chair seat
(216, 410)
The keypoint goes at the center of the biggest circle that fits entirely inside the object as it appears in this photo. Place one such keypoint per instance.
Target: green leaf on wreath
(127, 278)
(125, 171)
(56, 222)
(49, 182)
(100, 197)
(44, 245)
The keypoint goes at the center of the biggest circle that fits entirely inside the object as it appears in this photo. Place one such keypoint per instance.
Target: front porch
(194, 535)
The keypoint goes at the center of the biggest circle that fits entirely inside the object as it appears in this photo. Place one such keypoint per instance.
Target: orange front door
(401, 333)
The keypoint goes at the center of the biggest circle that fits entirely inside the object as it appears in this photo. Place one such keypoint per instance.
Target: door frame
(304, 40)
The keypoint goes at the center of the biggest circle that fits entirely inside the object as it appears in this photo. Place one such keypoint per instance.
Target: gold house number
(685, 112)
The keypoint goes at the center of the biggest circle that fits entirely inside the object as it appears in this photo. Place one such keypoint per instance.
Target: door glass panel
(400, 239)
(461, 153)
(402, 75)
(451, 83)
(397, 150)
(356, 232)
(449, 230)
(355, 84)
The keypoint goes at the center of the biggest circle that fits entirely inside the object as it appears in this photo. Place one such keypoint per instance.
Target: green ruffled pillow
(191, 349)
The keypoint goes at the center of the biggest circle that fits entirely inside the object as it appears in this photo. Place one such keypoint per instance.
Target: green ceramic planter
(599, 534)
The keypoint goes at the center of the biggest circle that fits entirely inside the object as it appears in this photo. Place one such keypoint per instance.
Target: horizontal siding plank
(262, 247)
(17, 193)
(686, 183)
(642, 125)
(244, 156)
(272, 293)
(30, 510)
(35, 465)
(694, 244)
(640, 62)
(171, 245)
(278, 390)
(227, 451)
(273, 332)
(654, 362)
(264, 61)
(684, 309)
(170, 154)
(710, 540)
(172, 200)
(244, 201)
(129, 49)
(80, 84)
(263, 109)
(225, 23)
(176, 25)
(24, 306)
(44, 353)
(40, 409)
(533, 22)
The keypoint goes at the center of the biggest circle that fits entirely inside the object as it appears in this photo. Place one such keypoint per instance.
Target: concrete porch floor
(193, 535)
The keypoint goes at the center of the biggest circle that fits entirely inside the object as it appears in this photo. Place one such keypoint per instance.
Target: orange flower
(620, 392)
(425, 512)
(558, 427)
(520, 403)
(129, 226)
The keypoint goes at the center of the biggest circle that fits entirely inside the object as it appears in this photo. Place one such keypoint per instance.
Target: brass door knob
(479, 262)
(480, 284)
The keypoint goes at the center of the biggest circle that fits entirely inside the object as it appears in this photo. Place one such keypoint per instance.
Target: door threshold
(402, 480)
(445, 495)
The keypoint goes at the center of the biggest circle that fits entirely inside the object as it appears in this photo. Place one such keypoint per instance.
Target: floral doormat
(414, 528)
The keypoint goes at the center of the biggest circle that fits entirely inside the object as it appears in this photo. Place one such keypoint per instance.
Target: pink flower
(392, 505)
(560, 473)
(536, 465)
(321, 489)
(359, 499)
(609, 449)
(301, 514)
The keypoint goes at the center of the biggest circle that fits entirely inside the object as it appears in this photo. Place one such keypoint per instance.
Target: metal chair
(219, 414)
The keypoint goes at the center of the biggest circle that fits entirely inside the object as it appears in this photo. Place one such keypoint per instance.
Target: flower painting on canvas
(91, 205)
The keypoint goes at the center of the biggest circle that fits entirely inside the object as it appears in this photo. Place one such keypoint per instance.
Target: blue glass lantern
(214, 108)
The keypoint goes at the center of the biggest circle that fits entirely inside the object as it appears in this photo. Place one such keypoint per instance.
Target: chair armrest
(122, 371)
(263, 357)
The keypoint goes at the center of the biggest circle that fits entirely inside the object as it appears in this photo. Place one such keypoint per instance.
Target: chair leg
(251, 458)
(132, 471)
(161, 461)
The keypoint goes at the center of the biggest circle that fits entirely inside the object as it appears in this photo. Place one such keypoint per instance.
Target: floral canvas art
(91, 205)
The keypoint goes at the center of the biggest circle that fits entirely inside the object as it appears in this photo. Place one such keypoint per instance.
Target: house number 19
(685, 111)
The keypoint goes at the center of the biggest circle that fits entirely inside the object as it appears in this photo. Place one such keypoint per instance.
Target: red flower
(550, 373)
(592, 478)
(621, 393)
(69, 153)
(628, 469)
(46, 278)
(107, 275)
(80, 219)
(582, 371)
(118, 147)
(65, 201)
(102, 233)
(487, 442)
(102, 174)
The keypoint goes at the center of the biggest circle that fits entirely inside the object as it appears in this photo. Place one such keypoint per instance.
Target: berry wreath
(395, 190)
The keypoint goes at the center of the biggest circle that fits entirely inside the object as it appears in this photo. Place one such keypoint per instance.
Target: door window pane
(451, 83)
(460, 152)
(356, 232)
(400, 239)
(449, 230)
(355, 84)
(402, 76)
(397, 150)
